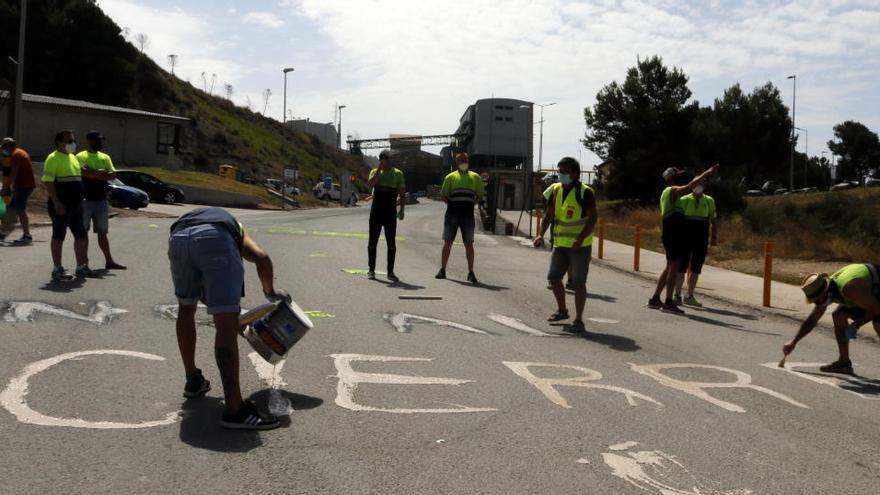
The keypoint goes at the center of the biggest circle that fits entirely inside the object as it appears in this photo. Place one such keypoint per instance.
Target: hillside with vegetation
(63, 36)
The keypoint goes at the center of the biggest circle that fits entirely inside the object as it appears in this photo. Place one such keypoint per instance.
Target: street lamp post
(284, 112)
(806, 152)
(793, 102)
(339, 127)
(541, 137)
(19, 75)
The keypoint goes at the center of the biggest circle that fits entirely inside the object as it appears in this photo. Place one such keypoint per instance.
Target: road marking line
(840, 383)
(101, 313)
(518, 325)
(603, 320)
(403, 322)
(13, 398)
(349, 379)
(359, 271)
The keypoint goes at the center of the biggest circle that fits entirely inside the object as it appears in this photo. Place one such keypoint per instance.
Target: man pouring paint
(206, 249)
(856, 291)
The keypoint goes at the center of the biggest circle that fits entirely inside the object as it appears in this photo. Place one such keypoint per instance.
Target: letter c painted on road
(13, 398)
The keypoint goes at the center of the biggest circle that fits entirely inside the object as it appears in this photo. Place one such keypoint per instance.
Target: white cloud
(264, 19)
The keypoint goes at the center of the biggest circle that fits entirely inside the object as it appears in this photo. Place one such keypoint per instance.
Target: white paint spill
(519, 325)
(403, 322)
(603, 320)
(842, 383)
(697, 389)
(349, 379)
(440, 441)
(14, 397)
(269, 373)
(623, 446)
(583, 461)
(100, 313)
(547, 386)
(651, 471)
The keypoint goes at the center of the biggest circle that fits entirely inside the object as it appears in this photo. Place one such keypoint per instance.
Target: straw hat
(814, 285)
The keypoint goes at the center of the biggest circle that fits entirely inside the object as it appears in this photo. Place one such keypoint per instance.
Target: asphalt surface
(79, 419)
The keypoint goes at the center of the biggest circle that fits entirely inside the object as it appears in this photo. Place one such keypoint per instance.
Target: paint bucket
(273, 328)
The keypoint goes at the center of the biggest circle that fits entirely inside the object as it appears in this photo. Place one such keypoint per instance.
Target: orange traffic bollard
(637, 248)
(601, 234)
(768, 271)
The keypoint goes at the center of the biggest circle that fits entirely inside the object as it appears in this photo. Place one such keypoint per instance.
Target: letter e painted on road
(547, 386)
(349, 379)
(698, 389)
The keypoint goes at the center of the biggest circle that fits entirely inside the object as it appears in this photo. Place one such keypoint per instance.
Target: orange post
(768, 271)
(601, 234)
(637, 248)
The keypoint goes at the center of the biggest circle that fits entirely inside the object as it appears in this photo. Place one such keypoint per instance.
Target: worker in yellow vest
(856, 291)
(701, 228)
(462, 190)
(571, 209)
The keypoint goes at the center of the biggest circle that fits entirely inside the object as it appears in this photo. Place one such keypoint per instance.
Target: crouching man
(206, 250)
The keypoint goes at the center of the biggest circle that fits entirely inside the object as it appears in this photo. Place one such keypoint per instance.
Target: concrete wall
(130, 139)
(210, 197)
(325, 132)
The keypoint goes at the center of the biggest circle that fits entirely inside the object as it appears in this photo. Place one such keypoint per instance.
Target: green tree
(858, 149)
(643, 126)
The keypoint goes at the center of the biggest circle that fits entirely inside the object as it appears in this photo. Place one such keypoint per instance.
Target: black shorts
(695, 259)
(676, 246)
(71, 219)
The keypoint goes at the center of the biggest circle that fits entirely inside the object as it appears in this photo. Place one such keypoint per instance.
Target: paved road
(502, 404)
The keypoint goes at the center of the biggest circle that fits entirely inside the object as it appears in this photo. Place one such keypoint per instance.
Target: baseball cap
(94, 135)
(7, 141)
(814, 285)
(672, 172)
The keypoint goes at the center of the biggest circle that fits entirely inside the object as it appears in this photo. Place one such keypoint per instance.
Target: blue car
(122, 196)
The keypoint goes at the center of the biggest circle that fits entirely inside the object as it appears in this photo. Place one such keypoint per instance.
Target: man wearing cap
(389, 189)
(856, 291)
(62, 177)
(571, 209)
(462, 189)
(674, 235)
(205, 250)
(701, 228)
(21, 184)
(96, 209)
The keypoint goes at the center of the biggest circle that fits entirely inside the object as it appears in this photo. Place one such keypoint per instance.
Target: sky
(413, 66)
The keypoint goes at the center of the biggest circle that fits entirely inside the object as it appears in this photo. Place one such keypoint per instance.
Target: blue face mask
(564, 179)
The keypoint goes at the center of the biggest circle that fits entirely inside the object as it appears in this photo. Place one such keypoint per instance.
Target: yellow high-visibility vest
(569, 218)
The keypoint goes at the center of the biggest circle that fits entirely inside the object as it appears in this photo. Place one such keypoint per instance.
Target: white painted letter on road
(349, 379)
(13, 398)
(697, 389)
(547, 386)
(24, 311)
(403, 322)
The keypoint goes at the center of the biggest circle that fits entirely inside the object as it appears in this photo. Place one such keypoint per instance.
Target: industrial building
(325, 132)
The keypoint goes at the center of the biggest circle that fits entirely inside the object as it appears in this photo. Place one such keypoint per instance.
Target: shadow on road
(719, 323)
(297, 401)
(601, 297)
(724, 312)
(480, 285)
(401, 285)
(614, 342)
(64, 287)
(200, 428)
(853, 383)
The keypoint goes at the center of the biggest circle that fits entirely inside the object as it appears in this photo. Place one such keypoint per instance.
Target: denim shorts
(96, 216)
(577, 261)
(206, 265)
(453, 223)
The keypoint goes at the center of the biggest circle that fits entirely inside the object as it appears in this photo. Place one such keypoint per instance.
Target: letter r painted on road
(698, 389)
(547, 386)
(349, 379)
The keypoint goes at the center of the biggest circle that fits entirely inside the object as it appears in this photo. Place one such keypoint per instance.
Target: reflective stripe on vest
(463, 195)
(567, 229)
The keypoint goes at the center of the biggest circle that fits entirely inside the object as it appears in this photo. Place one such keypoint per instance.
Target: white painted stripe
(518, 325)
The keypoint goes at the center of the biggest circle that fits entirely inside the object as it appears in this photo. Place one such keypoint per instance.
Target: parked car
(754, 192)
(771, 186)
(780, 191)
(276, 185)
(843, 186)
(332, 194)
(421, 194)
(122, 196)
(155, 188)
(872, 182)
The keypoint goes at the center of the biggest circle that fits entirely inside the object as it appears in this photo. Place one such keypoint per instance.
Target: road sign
(290, 172)
(328, 182)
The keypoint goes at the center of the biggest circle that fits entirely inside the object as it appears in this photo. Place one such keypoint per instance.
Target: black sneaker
(60, 274)
(472, 278)
(83, 271)
(559, 315)
(392, 277)
(249, 418)
(576, 327)
(441, 273)
(843, 367)
(371, 275)
(196, 386)
(671, 307)
(655, 303)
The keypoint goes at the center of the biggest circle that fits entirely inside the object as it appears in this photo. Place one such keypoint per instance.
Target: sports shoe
(196, 385)
(371, 275)
(655, 303)
(249, 418)
(59, 274)
(24, 240)
(692, 301)
(392, 277)
(576, 327)
(844, 367)
(83, 271)
(676, 299)
(472, 278)
(560, 315)
(671, 307)
(441, 273)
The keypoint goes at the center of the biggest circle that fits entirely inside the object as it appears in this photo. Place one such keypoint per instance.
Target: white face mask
(70, 147)
(698, 190)
(463, 167)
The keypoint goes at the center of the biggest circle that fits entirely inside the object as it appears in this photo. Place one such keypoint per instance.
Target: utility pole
(541, 137)
(15, 123)
(339, 127)
(793, 101)
(284, 110)
(806, 152)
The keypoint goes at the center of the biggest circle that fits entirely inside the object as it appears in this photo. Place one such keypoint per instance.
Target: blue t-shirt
(204, 216)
